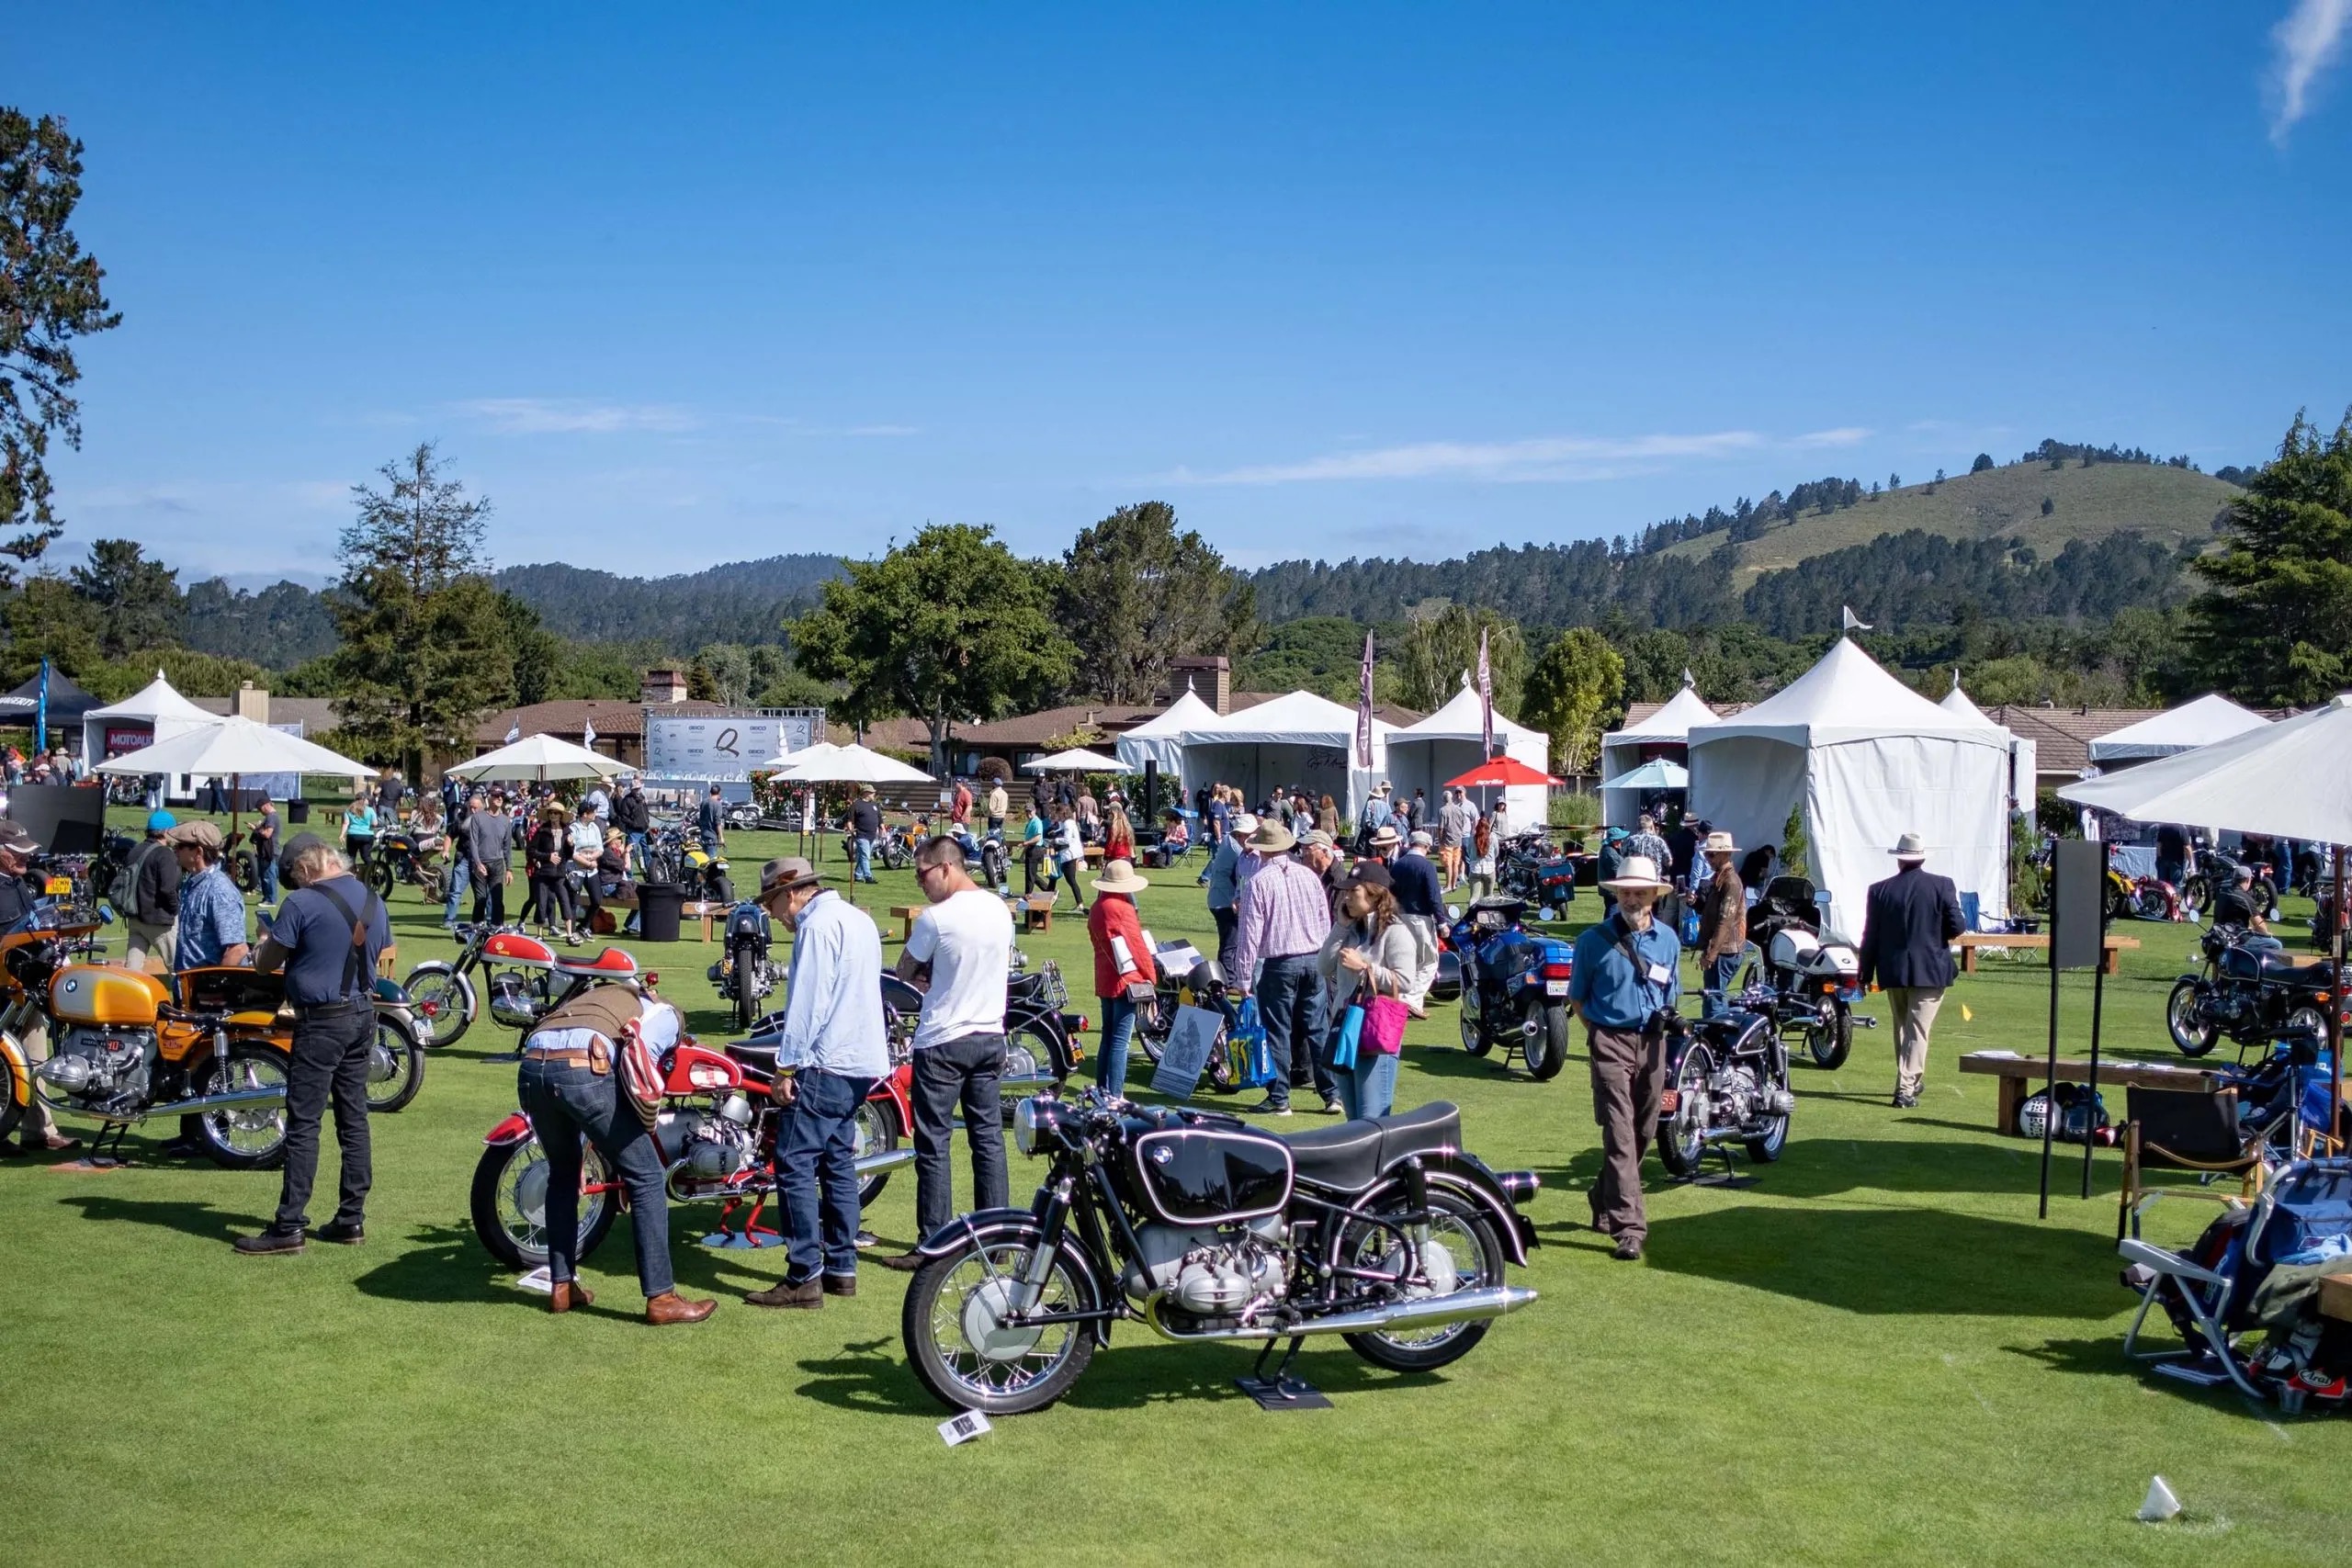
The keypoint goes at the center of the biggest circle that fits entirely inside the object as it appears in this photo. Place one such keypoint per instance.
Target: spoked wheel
(2308, 1020)
(244, 875)
(2196, 893)
(395, 1068)
(1766, 1146)
(443, 998)
(244, 1137)
(1828, 1037)
(2149, 905)
(1457, 1251)
(962, 1350)
(1683, 1141)
(510, 1202)
(2195, 1035)
(1473, 1034)
(877, 1134)
(12, 1083)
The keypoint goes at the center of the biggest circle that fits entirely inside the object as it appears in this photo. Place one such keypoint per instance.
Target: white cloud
(572, 416)
(2309, 39)
(1547, 458)
(1844, 436)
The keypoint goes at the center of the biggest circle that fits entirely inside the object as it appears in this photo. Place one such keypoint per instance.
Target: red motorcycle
(718, 1137)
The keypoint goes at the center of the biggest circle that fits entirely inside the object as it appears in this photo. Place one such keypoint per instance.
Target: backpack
(123, 891)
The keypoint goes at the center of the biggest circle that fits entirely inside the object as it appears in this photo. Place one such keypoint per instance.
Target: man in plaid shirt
(1643, 840)
(1282, 918)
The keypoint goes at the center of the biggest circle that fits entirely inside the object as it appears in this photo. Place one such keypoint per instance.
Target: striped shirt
(1282, 912)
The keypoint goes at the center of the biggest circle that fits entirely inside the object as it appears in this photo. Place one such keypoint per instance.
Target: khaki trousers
(162, 941)
(37, 1123)
(1628, 1077)
(1915, 1016)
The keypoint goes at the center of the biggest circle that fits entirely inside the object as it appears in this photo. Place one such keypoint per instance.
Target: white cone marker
(2160, 1504)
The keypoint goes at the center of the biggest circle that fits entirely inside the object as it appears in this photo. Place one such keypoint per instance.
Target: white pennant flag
(588, 734)
(1854, 623)
(514, 733)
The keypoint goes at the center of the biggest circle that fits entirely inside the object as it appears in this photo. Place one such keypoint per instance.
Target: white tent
(2022, 779)
(1445, 745)
(2209, 718)
(1621, 751)
(1300, 740)
(1868, 760)
(1160, 738)
(156, 712)
(2293, 779)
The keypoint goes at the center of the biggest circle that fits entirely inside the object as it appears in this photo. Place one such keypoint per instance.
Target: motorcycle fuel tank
(513, 947)
(104, 993)
(1200, 1176)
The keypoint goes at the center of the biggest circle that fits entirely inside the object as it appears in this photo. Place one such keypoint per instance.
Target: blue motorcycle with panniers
(1514, 985)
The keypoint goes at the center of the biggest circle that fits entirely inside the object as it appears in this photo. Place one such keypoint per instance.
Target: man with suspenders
(326, 937)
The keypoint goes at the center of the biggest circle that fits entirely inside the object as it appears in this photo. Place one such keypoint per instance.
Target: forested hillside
(743, 601)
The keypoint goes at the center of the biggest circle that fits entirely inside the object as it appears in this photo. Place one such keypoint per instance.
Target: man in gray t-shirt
(489, 842)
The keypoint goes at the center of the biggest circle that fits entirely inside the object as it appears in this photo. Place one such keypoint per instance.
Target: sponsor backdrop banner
(723, 749)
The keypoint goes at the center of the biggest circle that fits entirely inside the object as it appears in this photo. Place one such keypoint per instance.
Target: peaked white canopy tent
(1866, 760)
(2209, 718)
(2022, 786)
(1446, 744)
(237, 748)
(155, 711)
(1665, 733)
(1160, 738)
(1300, 740)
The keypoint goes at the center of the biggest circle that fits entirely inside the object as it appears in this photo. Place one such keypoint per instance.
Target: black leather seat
(757, 1052)
(1351, 1156)
(2285, 969)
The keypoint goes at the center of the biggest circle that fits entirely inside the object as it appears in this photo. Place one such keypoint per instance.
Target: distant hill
(745, 602)
(2164, 504)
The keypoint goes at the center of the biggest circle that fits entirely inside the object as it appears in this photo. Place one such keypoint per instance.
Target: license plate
(57, 887)
(1555, 987)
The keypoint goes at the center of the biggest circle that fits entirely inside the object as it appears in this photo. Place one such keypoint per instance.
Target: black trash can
(298, 811)
(657, 906)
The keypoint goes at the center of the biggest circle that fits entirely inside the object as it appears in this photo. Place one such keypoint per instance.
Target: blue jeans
(1716, 976)
(1118, 1029)
(267, 866)
(818, 1151)
(566, 1104)
(864, 870)
(1290, 1004)
(1368, 1088)
(460, 875)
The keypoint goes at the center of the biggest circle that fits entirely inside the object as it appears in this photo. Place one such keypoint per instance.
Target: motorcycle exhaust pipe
(230, 1100)
(888, 1159)
(1428, 1312)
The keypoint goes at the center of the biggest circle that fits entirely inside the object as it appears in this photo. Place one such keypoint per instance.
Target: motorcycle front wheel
(1544, 1031)
(2149, 905)
(443, 999)
(243, 873)
(2194, 1035)
(1473, 1034)
(894, 854)
(510, 1202)
(11, 1080)
(746, 973)
(2194, 893)
(1682, 1136)
(395, 1068)
(1462, 1253)
(959, 1347)
(244, 1137)
(1828, 1040)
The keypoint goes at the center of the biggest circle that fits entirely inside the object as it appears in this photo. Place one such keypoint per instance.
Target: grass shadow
(443, 1265)
(1926, 1263)
(201, 1220)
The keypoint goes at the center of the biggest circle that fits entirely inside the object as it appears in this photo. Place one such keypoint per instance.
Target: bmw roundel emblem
(1161, 1153)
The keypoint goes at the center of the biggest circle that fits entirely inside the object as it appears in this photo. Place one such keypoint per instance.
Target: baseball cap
(160, 821)
(15, 840)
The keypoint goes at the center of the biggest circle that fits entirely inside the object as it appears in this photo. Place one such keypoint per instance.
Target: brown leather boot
(571, 1293)
(786, 1294)
(671, 1307)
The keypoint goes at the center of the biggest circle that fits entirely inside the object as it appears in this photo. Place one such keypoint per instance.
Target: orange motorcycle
(24, 1007)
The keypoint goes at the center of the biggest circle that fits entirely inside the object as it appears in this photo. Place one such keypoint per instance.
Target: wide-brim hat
(786, 873)
(1119, 876)
(1272, 837)
(1384, 837)
(1639, 870)
(1719, 845)
(1909, 847)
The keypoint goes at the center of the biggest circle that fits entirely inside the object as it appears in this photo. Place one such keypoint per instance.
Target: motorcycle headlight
(1033, 1120)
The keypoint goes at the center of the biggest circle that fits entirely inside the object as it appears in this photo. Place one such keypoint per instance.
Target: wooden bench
(905, 914)
(2016, 1072)
(708, 910)
(2336, 1297)
(2111, 960)
(1037, 912)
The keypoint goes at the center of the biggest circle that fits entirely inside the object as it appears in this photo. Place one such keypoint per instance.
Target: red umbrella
(1497, 774)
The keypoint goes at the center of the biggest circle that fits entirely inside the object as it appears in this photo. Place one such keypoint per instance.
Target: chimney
(663, 687)
(1210, 678)
(251, 702)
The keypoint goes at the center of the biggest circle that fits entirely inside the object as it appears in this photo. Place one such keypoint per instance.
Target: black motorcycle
(2250, 989)
(1727, 1082)
(1203, 1228)
(748, 975)
(395, 860)
(2215, 871)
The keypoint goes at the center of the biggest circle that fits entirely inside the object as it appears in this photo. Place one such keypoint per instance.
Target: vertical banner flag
(40, 713)
(1485, 704)
(514, 733)
(1363, 709)
(588, 735)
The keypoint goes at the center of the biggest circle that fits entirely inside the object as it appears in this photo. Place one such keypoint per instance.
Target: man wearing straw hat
(1908, 924)
(1624, 977)
(1280, 924)
(1723, 924)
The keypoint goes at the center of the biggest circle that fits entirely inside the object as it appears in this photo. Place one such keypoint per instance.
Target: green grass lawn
(1877, 1354)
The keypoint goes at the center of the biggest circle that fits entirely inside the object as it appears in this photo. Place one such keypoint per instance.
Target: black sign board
(63, 820)
(2078, 889)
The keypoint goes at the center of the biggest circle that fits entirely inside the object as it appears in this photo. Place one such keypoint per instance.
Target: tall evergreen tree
(1135, 593)
(2270, 628)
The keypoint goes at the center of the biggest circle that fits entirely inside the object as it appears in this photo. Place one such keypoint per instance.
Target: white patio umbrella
(1077, 760)
(790, 759)
(538, 759)
(2291, 779)
(236, 746)
(1658, 772)
(848, 764)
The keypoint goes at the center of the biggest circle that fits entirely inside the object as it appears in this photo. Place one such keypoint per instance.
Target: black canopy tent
(67, 704)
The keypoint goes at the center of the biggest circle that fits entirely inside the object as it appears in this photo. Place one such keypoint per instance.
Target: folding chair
(2172, 1129)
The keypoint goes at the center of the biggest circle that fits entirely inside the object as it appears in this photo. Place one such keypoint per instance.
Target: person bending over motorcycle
(1625, 975)
(2235, 905)
(834, 1048)
(569, 1085)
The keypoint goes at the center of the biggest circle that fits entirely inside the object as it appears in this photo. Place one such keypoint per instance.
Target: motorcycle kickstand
(1282, 1390)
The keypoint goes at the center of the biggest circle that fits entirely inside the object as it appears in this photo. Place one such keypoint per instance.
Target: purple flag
(1485, 701)
(1363, 709)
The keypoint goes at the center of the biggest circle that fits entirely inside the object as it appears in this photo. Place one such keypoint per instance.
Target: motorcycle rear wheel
(1829, 1042)
(393, 1093)
(243, 875)
(2148, 904)
(1474, 1258)
(948, 1324)
(746, 960)
(1543, 1028)
(2193, 1037)
(244, 1139)
(877, 1133)
(443, 999)
(1682, 1139)
(2194, 893)
(510, 1202)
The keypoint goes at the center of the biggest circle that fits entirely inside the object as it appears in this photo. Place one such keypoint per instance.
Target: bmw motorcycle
(1203, 1228)
(1804, 979)
(2251, 991)
(748, 975)
(2215, 871)
(1727, 1082)
(1514, 985)
(516, 969)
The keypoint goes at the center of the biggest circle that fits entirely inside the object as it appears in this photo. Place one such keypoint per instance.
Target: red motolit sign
(121, 741)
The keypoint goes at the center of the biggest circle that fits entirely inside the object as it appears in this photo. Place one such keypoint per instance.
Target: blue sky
(1346, 280)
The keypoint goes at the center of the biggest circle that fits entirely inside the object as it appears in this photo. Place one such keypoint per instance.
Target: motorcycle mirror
(1453, 912)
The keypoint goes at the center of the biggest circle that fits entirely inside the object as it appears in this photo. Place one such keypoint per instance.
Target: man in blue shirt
(212, 912)
(1229, 867)
(1624, 976)
(834, 1049)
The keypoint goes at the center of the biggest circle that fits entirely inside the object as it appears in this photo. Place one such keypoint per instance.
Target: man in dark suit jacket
(1908, 930)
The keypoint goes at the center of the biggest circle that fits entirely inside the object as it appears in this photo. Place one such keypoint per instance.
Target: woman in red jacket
(1122, 962)
(1118, 836)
